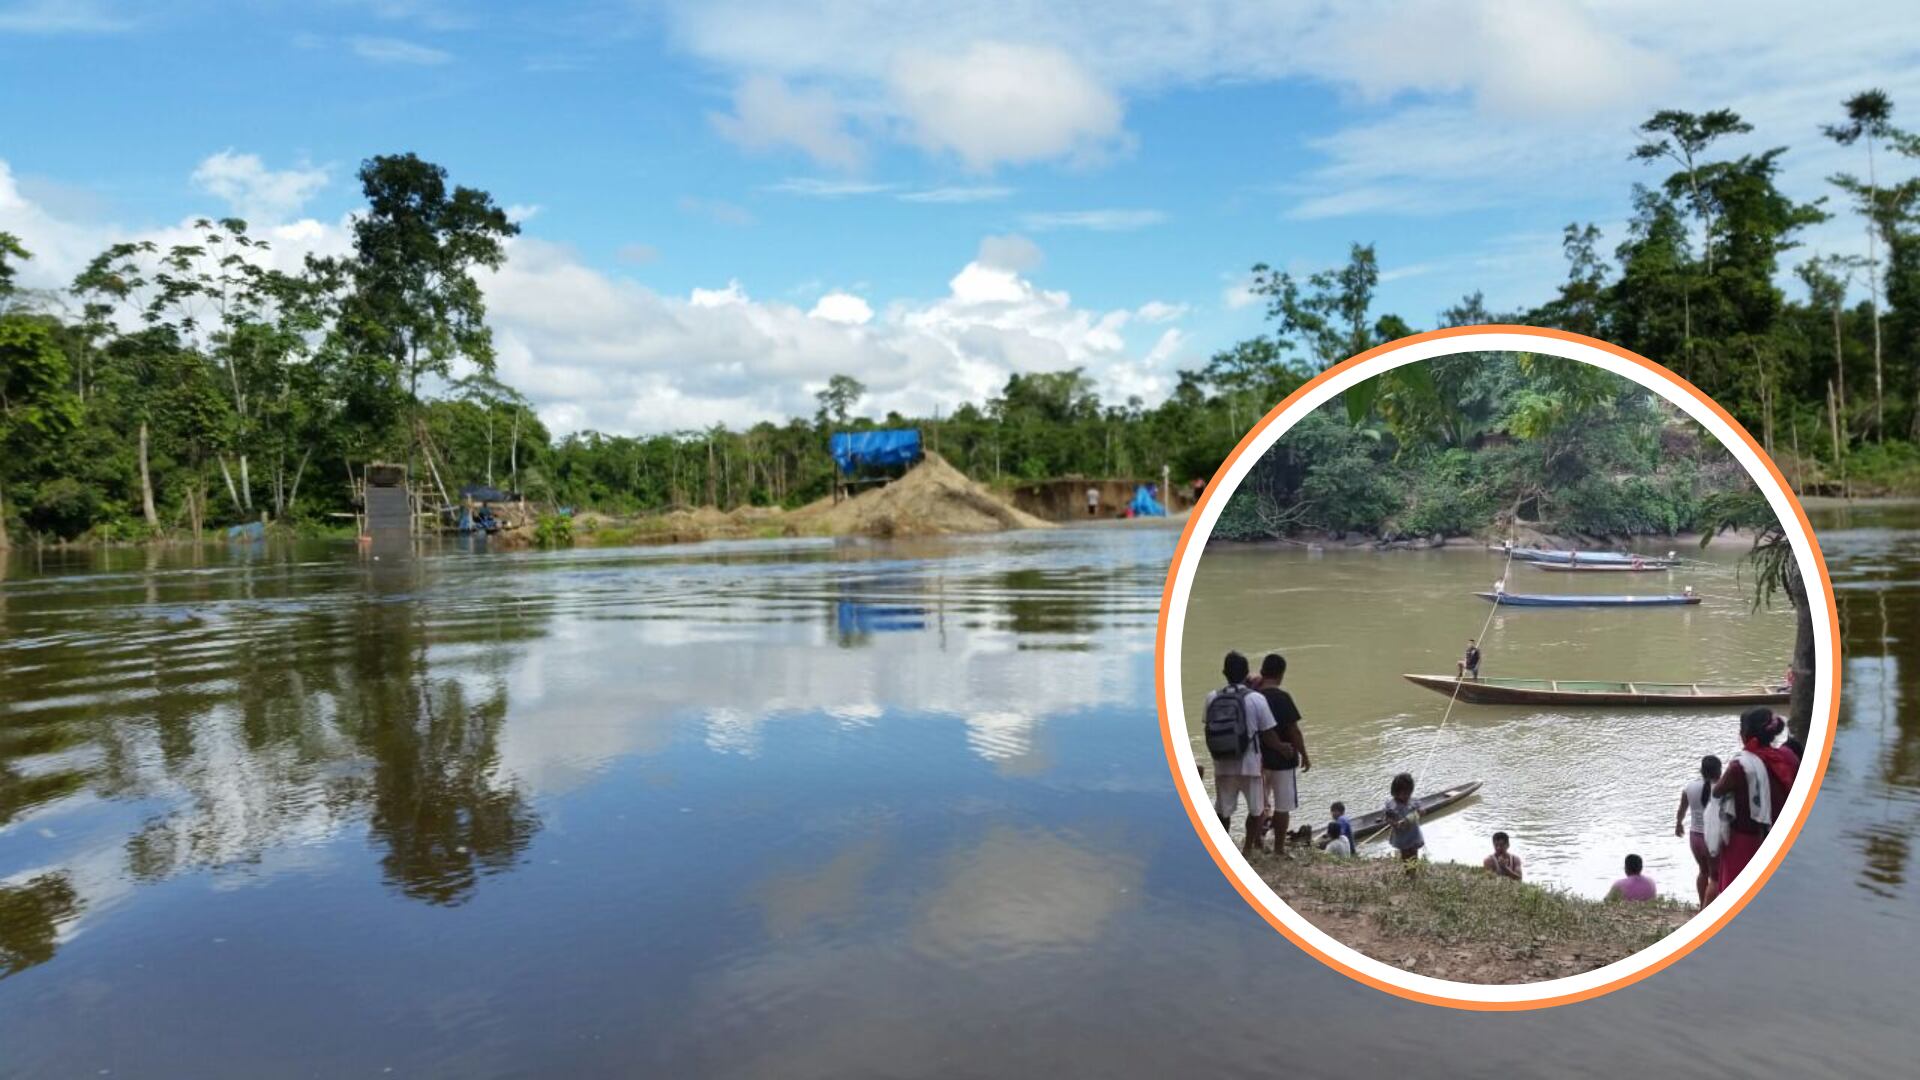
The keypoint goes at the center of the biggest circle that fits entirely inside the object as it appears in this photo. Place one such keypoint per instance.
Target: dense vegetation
(169, 388)
(1463, 442)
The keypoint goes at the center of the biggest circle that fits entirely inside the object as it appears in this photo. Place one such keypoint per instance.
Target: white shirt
(1340, 845)
(1697, 796)
(1259, 718)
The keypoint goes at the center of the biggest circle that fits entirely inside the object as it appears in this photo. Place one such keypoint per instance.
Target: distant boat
(1595, 692)
(1550, 555)
(1643, 566)
(1577, 600)
(1368, 826)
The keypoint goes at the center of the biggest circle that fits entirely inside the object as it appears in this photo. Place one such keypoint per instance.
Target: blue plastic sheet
(1145, 505)
(853, 449)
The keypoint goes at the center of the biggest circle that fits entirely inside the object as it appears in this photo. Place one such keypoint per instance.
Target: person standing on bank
(1279, 766)
(1093, 502)
(1239, 727)
(1755, 784)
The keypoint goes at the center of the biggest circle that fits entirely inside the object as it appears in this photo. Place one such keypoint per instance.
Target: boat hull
(1644, 567)
(1587, 557)
(1371, 826)
(1547, 600)
(1590, 692)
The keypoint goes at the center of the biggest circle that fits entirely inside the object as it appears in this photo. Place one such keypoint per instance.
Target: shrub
(553, 530)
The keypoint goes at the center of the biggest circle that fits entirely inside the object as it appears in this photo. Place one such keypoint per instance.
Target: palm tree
(1775, 570)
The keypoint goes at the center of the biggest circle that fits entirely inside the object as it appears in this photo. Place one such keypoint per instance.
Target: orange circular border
(1166, 726)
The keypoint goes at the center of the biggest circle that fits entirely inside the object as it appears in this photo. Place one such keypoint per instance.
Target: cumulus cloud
(253, 191)
(596, 350)
(1001, 103)
(843, 308)
(769, 115)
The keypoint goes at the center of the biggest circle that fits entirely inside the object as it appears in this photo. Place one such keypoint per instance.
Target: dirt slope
(932, 498)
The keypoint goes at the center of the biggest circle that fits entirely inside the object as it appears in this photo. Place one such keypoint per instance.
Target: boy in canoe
(1469, 665)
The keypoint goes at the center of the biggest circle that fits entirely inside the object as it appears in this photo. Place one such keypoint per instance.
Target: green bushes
(553, 530)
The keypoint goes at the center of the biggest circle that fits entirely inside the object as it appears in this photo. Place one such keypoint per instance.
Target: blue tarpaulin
(1145, 505)
(852, 449)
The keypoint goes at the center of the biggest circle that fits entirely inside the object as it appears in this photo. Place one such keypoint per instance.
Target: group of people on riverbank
(1727, 812)
(1252, 729)
(1253, 733)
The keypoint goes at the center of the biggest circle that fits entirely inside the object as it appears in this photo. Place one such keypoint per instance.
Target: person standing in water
(1690, 820)
(1503, 862)
(1403, 819)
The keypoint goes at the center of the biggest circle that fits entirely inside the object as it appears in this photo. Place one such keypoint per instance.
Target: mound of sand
(932, 498)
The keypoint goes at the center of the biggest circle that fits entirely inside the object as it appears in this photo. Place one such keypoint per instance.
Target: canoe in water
(1598, 692)
(1373, 826)
(1550, 555)
(1577, 600)
(1641, 567)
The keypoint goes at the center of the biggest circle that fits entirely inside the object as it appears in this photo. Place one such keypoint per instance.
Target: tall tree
(1682, 137)
(838, 398)
(414, 304)
(1329, 318)
(1869, 119)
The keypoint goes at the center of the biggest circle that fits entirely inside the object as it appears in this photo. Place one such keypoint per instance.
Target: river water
(1577, 790)
(776, 809)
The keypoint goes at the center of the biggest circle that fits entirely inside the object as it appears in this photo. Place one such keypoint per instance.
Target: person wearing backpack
(1238, 725)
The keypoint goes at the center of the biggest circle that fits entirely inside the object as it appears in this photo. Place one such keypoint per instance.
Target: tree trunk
(146, 483)
(4, 542)
(293, 493)
(1800, 703)
(1873, 295)
(246, 486)
(1839, 359)
(233, 492)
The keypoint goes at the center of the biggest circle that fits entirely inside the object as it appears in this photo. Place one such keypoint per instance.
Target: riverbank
(1490, 539)
(1453, 921)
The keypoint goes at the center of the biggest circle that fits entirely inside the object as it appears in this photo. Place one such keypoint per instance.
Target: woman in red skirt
(1756, 783)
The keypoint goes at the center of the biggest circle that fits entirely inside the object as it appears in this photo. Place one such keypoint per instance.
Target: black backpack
(1226, 723)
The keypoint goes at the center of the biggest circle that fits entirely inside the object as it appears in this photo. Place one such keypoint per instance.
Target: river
(781, 808)
(1577, 790)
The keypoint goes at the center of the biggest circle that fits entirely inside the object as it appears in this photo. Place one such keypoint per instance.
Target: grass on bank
(1459, 922)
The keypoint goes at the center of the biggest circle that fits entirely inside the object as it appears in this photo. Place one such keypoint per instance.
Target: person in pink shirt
(1635, 886)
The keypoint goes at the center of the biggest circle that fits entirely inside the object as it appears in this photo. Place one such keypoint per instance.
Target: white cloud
(770, 115)
(1159, 311)
(1238, 292)
(60, 17)
(818, 188)
(1010, 252)
(253, 191)
(636, 253)
(1000, 103)
(1097, 220)
(603, 351)
(386, 50)
(844, 308)
(983, 193)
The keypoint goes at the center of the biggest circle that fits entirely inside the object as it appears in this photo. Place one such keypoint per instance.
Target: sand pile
(932, 498)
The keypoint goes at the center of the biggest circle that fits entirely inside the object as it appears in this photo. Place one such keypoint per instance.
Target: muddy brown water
(786, 808)
(1576, 789)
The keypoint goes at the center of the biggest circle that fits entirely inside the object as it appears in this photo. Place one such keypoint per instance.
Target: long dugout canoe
(1577, 600)
(1487, 691)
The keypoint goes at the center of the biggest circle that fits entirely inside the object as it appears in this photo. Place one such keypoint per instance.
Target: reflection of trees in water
(262, 729)
(30, 919)
(1885, 625)
(1047, 602)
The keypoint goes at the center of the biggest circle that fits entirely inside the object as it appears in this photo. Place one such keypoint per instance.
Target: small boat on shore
(1577, 600)
(1486, 691)
(1372, 825)
(1639, 567)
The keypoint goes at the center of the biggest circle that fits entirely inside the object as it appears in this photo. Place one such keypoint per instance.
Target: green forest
(165, 391)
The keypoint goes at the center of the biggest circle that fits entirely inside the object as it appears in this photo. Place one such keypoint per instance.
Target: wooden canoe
(1578, 600)
(1550, 555)
(1642, 567)
(1373, 826)
(1486, 691)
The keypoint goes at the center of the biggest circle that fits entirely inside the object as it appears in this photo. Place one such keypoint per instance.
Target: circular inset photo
(1497, 667)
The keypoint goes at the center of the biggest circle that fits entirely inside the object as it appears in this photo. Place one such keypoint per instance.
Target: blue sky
(726, 202)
